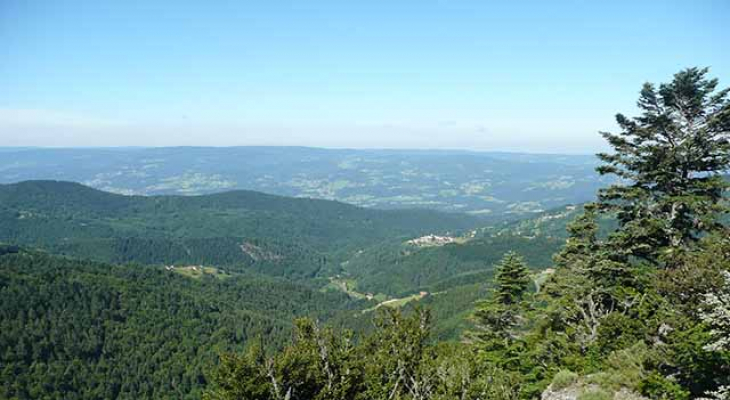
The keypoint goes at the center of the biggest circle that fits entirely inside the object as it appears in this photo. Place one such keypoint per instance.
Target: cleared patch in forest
(197, 271)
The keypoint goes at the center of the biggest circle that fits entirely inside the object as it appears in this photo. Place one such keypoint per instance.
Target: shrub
(626, 367)
(563, 379)
(656, 386)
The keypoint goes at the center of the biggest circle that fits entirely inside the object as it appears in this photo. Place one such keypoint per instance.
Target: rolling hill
(279, 235)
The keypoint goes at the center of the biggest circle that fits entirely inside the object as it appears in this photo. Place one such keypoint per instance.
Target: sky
(533, 76)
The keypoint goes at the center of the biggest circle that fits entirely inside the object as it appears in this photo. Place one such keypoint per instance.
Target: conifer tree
(670, 160)
(582, 241)
(496, 319)
(586, 255)
(512, 279)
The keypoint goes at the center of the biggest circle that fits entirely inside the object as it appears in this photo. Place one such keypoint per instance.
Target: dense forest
(81, 329)
(49, 212)
(243, 295)
(68, 218)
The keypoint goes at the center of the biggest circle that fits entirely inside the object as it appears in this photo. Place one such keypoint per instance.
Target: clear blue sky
(511, 75)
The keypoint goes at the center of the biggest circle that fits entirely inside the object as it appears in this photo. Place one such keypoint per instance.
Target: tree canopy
(671, 160)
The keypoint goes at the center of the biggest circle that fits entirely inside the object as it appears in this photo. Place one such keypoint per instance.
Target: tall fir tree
(582, 241)
(512, 279)
(670, 161)
(497, 320)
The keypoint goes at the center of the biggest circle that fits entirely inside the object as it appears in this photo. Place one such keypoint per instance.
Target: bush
(563, 379)
(624, 369)
(656, 386)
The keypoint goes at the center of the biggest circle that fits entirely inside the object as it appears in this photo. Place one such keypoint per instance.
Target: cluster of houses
(431, 240)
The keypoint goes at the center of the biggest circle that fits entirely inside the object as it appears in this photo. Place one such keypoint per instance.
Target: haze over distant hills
(481, 183)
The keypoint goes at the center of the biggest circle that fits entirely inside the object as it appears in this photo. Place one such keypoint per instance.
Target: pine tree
(497, 319)
(584, 254)
(582, 241)
(512, 279)
(584, 287)
(670, 160)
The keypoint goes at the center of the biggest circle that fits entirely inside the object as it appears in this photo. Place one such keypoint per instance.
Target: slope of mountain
(225, 228)
(168, 324)
(298, 238)
(401, 268)
(371, 257)
(447, 279)
(548, 224)
(480, 183)
(79, 329)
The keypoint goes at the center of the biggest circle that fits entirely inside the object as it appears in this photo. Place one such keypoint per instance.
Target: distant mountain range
(480, 183)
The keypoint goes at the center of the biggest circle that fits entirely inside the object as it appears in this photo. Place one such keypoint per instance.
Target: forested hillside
(321, 244)
(278, 235)
(401, 267)
(79, 329)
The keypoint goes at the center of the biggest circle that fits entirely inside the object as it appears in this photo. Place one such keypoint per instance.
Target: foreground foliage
(396, 361)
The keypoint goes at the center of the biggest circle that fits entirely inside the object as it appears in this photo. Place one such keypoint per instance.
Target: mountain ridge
(70, 218)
